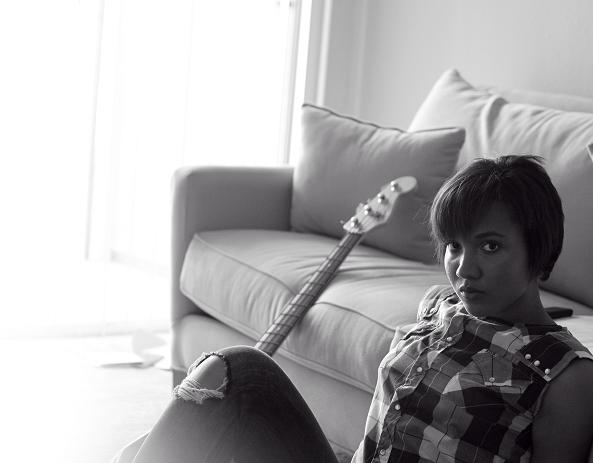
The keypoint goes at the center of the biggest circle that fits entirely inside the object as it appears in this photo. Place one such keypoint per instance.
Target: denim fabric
(260, 418)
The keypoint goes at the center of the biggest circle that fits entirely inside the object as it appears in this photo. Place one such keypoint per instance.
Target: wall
(336, 54)
(384, 55)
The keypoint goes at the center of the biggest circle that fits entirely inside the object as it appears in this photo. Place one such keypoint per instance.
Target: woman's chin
(478, 308)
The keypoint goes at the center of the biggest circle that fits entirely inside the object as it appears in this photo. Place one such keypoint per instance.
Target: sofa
(245, 239)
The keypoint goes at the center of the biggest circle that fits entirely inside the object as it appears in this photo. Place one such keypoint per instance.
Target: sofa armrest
(215, 198)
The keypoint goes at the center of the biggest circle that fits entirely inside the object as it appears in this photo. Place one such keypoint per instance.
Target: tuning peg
(395, 186)
(381, 198)
(355, 222)
(368, 211)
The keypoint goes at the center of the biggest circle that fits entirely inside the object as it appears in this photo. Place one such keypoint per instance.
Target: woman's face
(488, 268)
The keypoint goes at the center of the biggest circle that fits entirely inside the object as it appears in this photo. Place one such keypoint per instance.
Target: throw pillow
(345, 161)
(495, 126)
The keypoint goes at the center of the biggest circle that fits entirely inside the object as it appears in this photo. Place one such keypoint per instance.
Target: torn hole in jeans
(191, 390)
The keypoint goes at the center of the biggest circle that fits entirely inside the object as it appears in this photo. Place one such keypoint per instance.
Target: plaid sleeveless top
(457, 388)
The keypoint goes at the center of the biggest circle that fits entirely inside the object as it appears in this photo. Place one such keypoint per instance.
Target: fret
(288, 314)
(266, 346)
(277, 331)
(279, 323)
(286, 318)
(275, 338)
(315, 283)
(302, 300)
(313, 292)
(309, 291)
(298, 307)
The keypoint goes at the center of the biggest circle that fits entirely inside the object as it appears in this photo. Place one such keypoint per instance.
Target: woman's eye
(490, 246)
(453, 246)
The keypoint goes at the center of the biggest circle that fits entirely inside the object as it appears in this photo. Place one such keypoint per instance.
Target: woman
(485, 374)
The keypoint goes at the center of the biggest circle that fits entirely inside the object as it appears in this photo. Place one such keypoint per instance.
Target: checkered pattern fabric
(457, 388)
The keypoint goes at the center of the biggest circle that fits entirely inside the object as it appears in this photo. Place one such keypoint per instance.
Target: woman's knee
(209, 377)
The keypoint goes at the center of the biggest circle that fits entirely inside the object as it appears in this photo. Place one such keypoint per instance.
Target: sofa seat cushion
(245, 277)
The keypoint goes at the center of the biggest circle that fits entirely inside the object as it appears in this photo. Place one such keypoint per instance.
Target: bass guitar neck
(373, 213)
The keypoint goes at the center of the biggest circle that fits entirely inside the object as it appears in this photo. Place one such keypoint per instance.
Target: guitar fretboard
(306, 297)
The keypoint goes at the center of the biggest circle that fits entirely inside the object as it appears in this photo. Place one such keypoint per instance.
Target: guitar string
(277, 332)
(302, 300)
(322, 272)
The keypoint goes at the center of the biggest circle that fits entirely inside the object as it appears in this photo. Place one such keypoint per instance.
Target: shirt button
(528, 356)
(397, 406)
(449, 339)
(419, 369)
(547, 371)
(536, 363)
(382, 452)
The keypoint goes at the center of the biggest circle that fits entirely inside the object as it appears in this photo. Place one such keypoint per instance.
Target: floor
(59, 405)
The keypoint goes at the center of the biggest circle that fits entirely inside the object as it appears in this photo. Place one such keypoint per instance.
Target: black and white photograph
(296, 231)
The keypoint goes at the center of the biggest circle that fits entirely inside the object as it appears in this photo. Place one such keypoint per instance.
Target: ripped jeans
(255, 414)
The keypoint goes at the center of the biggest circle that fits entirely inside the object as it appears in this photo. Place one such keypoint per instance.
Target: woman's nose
(468, 267)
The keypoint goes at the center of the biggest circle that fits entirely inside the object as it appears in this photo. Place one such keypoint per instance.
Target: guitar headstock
(377, 210)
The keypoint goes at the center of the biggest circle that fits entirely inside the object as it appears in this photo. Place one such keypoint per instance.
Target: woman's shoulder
(565, 416)
(565, 336)
(550, 354)
(432, 299)
(438, 292)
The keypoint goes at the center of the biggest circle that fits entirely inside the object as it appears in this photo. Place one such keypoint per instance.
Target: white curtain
(100, 101)
(47, 80)
(189, 82)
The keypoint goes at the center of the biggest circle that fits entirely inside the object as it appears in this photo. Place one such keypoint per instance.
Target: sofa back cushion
(346, 161)
(495, 126)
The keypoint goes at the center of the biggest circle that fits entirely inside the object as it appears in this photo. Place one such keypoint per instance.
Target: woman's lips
(470, 294)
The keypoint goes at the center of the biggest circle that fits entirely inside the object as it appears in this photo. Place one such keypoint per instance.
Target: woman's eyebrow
(489, 233)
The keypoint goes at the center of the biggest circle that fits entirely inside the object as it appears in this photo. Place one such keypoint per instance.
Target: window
(197, 82)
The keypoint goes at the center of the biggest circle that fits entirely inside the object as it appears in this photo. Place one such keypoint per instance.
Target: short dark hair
(521, 183)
